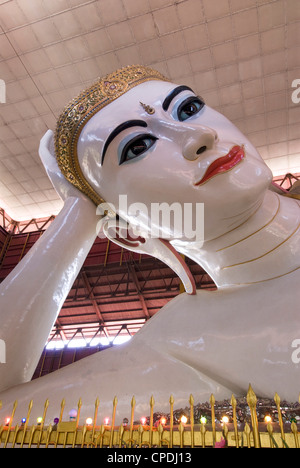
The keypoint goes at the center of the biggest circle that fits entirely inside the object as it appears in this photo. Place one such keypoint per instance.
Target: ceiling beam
(138, 289)
(93, 301)
(60, 329)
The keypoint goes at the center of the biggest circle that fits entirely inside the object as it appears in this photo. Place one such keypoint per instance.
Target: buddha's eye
(136, 147)
(191, 106)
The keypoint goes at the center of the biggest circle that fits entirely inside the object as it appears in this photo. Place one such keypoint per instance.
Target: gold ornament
(147, 108)
(78, 112)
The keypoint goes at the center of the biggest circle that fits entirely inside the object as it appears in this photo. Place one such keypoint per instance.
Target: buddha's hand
(47, 154)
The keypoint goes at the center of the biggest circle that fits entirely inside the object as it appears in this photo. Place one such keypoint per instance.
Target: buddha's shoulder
(263, 302)
(281, 287)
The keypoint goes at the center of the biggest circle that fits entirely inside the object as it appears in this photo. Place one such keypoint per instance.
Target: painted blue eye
(136, 147)
(191, 106)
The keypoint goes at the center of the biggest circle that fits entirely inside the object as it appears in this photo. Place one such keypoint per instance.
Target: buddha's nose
(198, 142)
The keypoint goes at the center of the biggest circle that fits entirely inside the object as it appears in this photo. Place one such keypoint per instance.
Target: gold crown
(85, 106)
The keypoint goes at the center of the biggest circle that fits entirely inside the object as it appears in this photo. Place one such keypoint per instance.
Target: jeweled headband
(85, 106)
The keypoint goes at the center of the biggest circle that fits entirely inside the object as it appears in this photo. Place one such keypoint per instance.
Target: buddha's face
(179, 150)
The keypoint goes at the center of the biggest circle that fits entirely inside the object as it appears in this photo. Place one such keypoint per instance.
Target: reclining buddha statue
(134, 133)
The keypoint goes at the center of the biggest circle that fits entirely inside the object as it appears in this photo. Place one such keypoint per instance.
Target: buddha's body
(208, 342)
(224, 347)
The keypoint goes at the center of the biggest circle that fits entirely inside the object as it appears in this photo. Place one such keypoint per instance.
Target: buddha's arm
(32, 295)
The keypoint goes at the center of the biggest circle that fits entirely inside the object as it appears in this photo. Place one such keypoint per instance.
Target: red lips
(223, 164)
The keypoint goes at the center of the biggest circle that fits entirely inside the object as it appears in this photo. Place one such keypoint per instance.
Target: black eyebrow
(174, 93)
(120, 128)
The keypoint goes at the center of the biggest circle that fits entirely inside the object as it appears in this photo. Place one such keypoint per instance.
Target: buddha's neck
(264, 247)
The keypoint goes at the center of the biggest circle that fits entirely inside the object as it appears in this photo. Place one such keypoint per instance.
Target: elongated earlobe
(120, 233)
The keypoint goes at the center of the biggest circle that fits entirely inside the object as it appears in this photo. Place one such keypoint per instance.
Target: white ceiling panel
(240, 55)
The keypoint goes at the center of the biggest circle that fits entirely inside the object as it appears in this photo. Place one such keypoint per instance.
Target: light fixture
(39, 420)
(163, 421)
(203, 420)
(73, 414)
(106, 421)
(183, 419)
(143, 420)
(225, 419)
(268, 418)
(88, 421)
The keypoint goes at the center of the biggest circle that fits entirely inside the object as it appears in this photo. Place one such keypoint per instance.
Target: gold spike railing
(196, 434)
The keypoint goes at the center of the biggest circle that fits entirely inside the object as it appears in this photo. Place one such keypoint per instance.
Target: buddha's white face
(183, 152)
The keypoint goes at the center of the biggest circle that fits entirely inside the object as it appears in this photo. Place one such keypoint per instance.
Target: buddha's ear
(47, 154)
(120, 232)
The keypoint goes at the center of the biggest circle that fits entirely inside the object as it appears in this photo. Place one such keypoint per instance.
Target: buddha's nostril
(201, 149)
